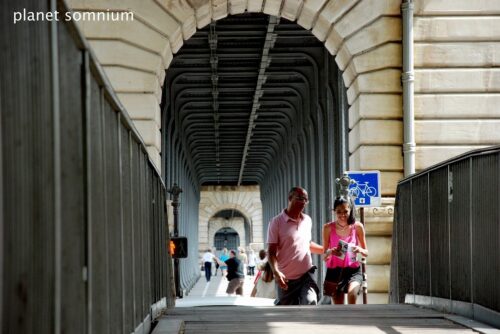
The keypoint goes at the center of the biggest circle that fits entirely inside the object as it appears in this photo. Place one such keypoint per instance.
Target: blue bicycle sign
(365, 188)
(362, 189)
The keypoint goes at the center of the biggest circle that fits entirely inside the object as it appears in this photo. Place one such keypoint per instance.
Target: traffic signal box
(178, 247)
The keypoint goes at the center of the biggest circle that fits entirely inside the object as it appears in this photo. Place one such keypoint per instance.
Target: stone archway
(365, 37)
(236, 225)
(245, 199)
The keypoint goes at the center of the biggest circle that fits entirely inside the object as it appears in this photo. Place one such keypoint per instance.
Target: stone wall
(457, 77)
(378, 226)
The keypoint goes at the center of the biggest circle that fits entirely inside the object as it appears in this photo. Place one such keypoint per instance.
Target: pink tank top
(350, 258)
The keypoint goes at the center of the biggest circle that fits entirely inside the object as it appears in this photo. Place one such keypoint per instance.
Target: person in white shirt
(207, 261)
(251, 263)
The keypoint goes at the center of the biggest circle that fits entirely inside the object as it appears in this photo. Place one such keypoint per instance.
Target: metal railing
(446, 237)
(83, 229)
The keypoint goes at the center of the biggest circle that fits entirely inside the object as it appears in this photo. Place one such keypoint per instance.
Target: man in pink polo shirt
(289, 249)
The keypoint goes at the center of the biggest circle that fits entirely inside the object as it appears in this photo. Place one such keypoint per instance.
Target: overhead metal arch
(255, 100)
(289, 80)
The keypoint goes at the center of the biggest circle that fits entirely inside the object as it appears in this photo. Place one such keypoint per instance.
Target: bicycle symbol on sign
(363, 189)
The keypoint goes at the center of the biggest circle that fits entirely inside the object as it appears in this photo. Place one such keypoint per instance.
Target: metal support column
(175, 191)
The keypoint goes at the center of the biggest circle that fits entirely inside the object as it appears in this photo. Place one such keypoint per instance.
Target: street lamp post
(175, 191)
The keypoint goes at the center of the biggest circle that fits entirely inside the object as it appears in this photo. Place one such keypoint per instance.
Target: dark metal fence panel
(455, 237)
(420, 226)
(403, 244)
(144, 239)
(439, 233)
(97, 229)
(137, 255)
(164, 241)
(127, 232)
(73, 178)
(85, 208)
(157, 253)
(148, 240)
(27, 216)
(460, 238)
(162, 237)
(113, 221)
(486, 230)
(161, 243)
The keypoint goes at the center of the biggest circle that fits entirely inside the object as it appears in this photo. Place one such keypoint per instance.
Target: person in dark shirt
(235, 273)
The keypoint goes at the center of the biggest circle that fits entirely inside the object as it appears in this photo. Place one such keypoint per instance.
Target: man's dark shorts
(301, 291)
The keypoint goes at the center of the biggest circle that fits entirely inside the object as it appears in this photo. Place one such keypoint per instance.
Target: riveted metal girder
(240, 90)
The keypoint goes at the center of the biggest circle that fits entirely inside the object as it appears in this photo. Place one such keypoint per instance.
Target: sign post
(364, 188)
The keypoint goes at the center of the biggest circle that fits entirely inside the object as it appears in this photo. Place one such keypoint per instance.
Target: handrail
(446, 236)
(472, 153)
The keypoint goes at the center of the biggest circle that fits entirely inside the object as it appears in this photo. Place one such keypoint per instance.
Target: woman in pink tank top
(344, 241)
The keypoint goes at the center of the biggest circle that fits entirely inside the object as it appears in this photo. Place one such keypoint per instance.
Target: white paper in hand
(342, 247)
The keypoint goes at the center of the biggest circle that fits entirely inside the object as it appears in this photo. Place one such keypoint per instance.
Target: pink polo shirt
(293, 239)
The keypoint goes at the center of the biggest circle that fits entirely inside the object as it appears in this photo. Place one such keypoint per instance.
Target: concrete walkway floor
(322, 319)
(207, 309)
(214, 293)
